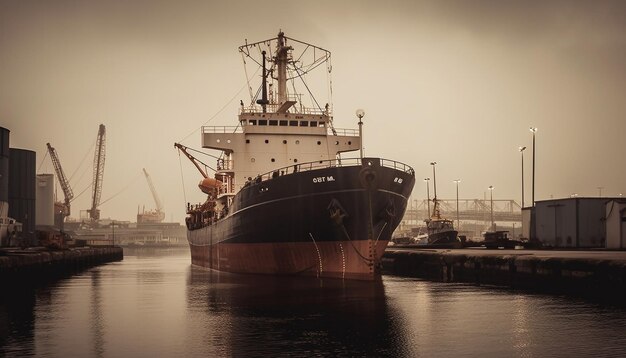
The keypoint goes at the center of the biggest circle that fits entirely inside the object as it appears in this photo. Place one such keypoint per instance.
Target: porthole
(228, 141)
(319, 143)
(267, 141)
(295, 160)
(284, 141)
(297, 142)
(252, 160)
(247, 140)
(349, 142)
(273, 160)
(217, 140)
(336, 142)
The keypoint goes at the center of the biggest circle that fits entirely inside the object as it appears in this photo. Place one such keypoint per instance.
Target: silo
(4, 164)
(22, 165)
(45, 200)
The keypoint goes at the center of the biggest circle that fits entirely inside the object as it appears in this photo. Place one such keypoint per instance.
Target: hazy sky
(457, 82)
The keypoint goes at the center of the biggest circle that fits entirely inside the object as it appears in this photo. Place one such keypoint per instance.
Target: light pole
(360, 113)
(521, 150)
(491, 195)
(427, 180)
(458, 221)
(113, 229)
(534, 131)
(435, 206)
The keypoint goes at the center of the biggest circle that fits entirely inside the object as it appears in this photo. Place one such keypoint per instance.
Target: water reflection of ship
(272, 315)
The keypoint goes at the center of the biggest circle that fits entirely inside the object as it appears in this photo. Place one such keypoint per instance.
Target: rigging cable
(218, 112)
(93, 144)
(307, 88)
(81, 193)
(123, 189)
(44, 158)
(182, 179)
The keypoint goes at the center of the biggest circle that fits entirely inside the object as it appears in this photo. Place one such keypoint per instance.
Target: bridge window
(293, 123)
(262, 122)
(304, 123)
(313, 124)
(273, 122)
(243, 122)
(253, 122)
(322, 124)
(282, 123)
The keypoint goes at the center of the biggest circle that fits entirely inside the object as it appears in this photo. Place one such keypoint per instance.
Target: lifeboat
(209, 185)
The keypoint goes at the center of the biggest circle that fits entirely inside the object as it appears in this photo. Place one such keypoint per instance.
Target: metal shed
(571, 222)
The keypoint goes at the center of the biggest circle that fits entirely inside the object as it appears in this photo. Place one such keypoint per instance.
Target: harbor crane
(61, 209)
(154, 216)
(98, 173)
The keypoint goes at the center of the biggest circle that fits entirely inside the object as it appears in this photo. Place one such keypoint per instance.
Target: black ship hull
(329, 222)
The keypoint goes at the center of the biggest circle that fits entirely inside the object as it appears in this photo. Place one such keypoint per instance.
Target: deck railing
(339, 132)
(332, 163)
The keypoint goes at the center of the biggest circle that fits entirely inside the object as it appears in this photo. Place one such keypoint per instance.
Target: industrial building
(616, 224)
(576, 222)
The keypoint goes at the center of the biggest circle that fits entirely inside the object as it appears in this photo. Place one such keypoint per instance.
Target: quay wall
(594, 275)
(32, 265)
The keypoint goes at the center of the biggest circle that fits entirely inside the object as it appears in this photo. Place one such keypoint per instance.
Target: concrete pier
(34, 264)
(588, 273)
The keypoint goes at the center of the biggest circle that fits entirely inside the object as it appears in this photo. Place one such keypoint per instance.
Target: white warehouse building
(579, 222)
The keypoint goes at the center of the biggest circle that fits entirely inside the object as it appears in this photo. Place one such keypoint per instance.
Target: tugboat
(283, 200)
(440, 230)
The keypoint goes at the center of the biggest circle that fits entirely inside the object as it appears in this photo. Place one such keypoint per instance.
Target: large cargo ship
(284, 199)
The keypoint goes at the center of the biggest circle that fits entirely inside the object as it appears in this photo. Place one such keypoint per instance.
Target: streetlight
(360, 113)
(534, 131)
(435, 206)
(428, 195)
(458, 221)
(521, 150)
(491, 195)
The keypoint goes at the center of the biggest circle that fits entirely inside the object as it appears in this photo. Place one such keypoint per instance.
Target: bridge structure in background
(504, 210)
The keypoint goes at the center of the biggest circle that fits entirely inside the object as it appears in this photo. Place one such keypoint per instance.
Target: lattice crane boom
(157, 201)
(65, 185)
(98, 173)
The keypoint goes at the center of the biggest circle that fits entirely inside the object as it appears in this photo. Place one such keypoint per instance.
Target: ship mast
(281, 65)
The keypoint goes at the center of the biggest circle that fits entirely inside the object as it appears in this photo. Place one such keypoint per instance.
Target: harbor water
(155, 304)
